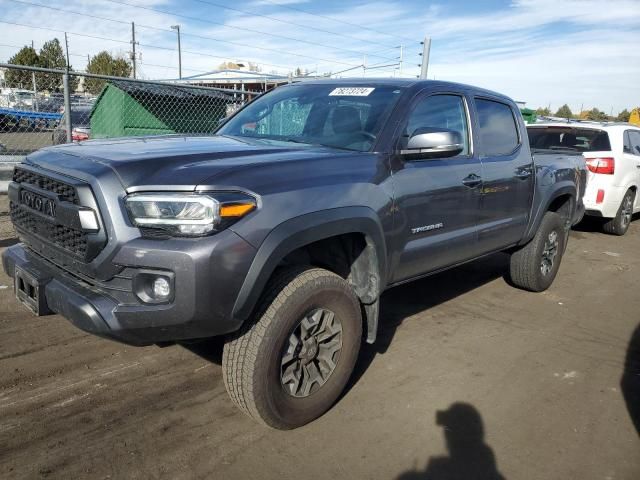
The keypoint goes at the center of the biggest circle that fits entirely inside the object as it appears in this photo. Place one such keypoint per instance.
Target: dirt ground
(28, 141)
(528, 385)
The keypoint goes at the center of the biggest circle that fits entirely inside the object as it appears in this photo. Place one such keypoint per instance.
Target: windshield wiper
(295, 140)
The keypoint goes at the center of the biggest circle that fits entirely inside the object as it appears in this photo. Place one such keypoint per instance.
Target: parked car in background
(80, 125)
(54, 103)
(612, 152)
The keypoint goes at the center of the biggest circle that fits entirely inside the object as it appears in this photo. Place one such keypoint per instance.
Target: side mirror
(433, 143)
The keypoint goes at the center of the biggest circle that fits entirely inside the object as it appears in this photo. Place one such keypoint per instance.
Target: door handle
(523, 174)
(472, 180)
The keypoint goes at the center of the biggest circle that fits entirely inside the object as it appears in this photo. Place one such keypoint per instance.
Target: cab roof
(403, 83)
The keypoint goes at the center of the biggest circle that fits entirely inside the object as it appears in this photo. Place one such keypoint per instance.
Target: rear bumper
(208, 277)
(611, 203)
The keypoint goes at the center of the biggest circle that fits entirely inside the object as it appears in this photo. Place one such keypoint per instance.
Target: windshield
(348, 117)
(580, 139)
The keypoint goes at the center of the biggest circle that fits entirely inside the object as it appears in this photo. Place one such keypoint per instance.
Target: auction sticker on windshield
(352, 91)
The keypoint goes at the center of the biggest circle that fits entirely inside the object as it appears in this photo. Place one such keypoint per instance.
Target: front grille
(74, 241)
(66, 192)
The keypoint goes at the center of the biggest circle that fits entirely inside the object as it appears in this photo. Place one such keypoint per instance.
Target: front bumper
(208, 273)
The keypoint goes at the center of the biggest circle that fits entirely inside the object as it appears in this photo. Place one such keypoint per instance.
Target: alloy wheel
(311, 353)
(549, 252)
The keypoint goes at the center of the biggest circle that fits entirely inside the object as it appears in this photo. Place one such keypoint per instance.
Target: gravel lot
(7, 234)
(542, 372)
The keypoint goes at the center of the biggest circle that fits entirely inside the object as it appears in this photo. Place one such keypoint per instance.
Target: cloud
(277, 2)
(540, 51)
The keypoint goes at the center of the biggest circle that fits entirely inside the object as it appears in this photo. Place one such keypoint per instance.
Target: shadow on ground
(412, 298)
(630, 382)
(469, 457)
(396, 305)
(591, 224)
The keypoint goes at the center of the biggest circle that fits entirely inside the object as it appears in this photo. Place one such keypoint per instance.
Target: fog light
(161, 288)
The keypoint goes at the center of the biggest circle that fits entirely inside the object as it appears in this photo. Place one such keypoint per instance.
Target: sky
(544, 52)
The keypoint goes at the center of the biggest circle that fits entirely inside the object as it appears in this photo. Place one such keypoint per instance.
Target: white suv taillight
(604, 165)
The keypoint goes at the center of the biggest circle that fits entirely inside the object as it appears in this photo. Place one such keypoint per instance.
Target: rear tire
(619, 224)
(307, 328)
(534, 266)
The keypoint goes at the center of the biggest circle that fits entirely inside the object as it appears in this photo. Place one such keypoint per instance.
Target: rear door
(631, 156)
(507, 175)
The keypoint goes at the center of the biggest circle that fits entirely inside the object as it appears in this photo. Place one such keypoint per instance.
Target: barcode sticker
(352, 91)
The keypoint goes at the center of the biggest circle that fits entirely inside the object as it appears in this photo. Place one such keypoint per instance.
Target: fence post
(67, 105)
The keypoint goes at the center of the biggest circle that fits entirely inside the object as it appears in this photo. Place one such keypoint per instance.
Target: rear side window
(580, 139)
(632, 142)
(498, 130)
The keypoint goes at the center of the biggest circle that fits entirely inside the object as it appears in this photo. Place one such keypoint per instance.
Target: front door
(437, 199)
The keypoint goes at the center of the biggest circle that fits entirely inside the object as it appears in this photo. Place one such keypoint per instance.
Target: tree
(52, 56)
(254, 67)
(595, 114)
(228, 66)
(564, 111)
(623, 116)
(251, 66)
(22, 78)
(105, 64)
(545, 112)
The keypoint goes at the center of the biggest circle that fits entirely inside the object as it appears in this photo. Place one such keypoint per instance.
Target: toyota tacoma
(282, 229)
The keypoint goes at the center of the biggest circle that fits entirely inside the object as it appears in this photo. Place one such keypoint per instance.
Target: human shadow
(630, 382)
(469, 457)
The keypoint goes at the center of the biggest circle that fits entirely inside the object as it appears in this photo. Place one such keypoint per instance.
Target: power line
(275, 35)
(22, 46)
(96, 37)
(67, 11)
(275, 19)
(289, 7)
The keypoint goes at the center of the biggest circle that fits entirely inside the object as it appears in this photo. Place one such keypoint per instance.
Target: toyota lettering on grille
(39, 203)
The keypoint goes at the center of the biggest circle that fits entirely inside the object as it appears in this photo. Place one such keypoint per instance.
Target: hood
(170, 160)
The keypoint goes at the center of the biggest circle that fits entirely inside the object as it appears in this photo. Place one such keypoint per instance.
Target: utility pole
(426, 50)
(364, 66)
(133, 49)
(177, 28)
(35, 90)
(66, 49)
(66, 87)
(401, 60)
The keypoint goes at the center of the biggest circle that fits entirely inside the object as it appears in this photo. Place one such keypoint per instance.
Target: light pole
(177, 29)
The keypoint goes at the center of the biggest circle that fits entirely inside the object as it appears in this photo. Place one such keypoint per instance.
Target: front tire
(534, 266)
(619, 224)
(290, 365)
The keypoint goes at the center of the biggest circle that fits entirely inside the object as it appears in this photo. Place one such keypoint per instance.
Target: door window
(498, 130)
(632, 142)
(445, 112)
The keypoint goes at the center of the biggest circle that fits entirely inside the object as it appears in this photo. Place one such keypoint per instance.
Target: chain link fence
(84, 106)
(78, 107)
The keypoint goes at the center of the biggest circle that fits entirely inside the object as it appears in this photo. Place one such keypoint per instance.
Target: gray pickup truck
(282, 229)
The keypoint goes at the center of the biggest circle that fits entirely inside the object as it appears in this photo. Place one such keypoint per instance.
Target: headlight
(189, 215)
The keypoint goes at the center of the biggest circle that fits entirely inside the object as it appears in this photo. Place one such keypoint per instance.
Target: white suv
(612, 152)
